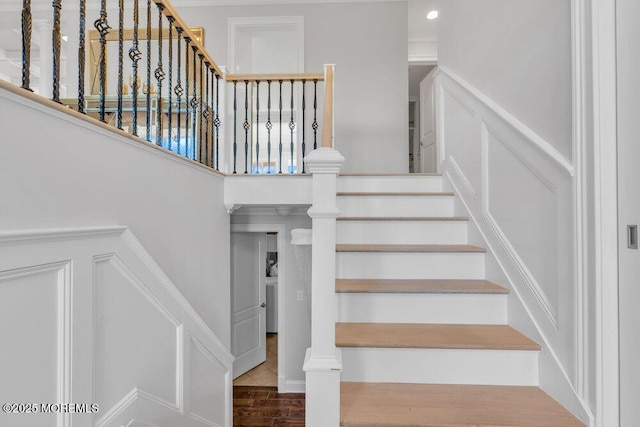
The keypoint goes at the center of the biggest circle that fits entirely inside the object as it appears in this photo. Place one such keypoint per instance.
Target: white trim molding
(236, 24)
(605, 174)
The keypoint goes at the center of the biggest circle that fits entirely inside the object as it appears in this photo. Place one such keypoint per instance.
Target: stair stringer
(504, 266)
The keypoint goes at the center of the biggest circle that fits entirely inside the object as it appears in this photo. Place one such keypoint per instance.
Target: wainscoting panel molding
(88, 318)
(518, 190)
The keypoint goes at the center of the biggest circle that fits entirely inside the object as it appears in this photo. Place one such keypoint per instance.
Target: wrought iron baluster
(280, 129)
(303, 124)
(159, 75)
(314, 125)
(269, 125)
(27, 27)
(216, 122)
(120, 61)
(292, 126)
(246, 126)
(148, 105)
(194, 103)
(205, 114)
(200, 118)
(179, 91)
(81, 54)
(103, 29)
(55, 34)
(187, 149)
(135, 55)
(212, 119)
(235, 124)
(170, 87)
(258, 128)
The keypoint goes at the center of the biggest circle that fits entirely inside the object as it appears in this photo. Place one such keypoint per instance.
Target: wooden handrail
(298, 77)
(169, 11)
(327, 124)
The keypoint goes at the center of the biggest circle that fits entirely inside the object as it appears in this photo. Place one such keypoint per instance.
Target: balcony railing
(146, 72)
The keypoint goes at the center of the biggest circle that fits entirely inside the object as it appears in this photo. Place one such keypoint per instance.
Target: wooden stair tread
(440, 336)
(440, 405)
(440, 286)
(396, 193)
(343, 247)
(403, 218)
(373, 175)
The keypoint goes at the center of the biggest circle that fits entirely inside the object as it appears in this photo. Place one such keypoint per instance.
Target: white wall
(517, 53)
(297, 327)
(368, 44)
(57, 171)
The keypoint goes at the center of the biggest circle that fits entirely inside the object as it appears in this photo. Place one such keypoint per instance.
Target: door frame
(602, 31)
(281, 230)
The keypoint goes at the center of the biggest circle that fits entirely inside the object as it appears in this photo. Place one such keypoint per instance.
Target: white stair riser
(402, 232)
(403, 206)
(411, 265)
(440, 366)
(422, 308)
(389, 183)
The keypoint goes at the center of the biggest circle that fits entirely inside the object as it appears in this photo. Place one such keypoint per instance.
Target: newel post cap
(324, 160)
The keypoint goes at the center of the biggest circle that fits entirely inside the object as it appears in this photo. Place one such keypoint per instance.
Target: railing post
(223, 142)
(323, 361)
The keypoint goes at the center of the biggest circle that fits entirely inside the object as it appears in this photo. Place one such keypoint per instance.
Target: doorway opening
(421, 118)
(257, 301)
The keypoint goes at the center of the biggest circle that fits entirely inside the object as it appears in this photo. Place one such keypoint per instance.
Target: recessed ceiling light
(432, 14)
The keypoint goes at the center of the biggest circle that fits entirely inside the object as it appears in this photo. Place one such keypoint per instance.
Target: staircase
(425, 339)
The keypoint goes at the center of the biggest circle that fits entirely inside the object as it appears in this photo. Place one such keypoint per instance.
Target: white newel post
(323, 362)
(222, 112)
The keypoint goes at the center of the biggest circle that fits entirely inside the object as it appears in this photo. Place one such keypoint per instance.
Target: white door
(248, 301)
(628, 34)
(428, 142)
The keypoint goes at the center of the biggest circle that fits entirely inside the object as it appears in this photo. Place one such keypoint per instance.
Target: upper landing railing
(176, 96)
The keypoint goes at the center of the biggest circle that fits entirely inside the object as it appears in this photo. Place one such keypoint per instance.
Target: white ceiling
(420, 28)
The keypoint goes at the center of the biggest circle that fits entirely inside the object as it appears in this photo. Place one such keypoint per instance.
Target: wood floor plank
(442, 286)
(436, 336)
(431, 405)
(407, 248)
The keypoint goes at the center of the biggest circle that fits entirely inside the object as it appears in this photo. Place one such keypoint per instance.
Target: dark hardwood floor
(264, 406)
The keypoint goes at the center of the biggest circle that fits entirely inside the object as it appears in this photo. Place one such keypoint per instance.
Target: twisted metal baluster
(194, 102)
(280, 127)
(55, 34)
(160, 76)
(216, 122)
(186, 98)
(213, 115)
(135, 55)
(235, 125)
(269, 125)
(200, 136)
(187, 149)
(148, 115)
(303, 124)
(258, 127)
(292, 126)
(103, 29)
(179, 91)
(205, 114)
(314, 125)
(81, 55)
(120, 61)
(246, 125)
(170, 88)
(27, 27)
